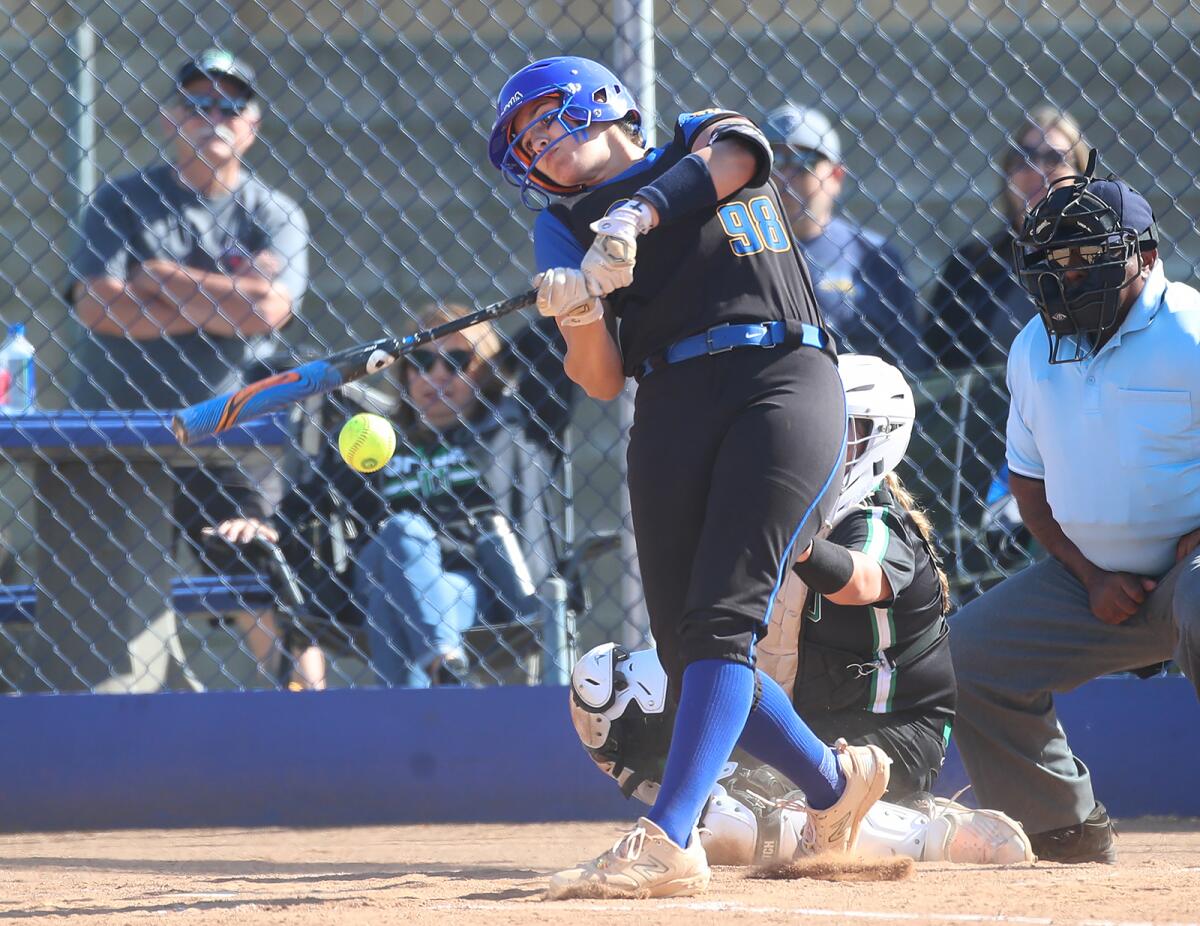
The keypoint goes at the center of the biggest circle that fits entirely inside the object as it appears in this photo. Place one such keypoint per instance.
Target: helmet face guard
(586, 93)
(1074, 258)
(519, 169)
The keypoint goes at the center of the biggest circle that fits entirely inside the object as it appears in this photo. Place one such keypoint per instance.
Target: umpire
(1103, 431)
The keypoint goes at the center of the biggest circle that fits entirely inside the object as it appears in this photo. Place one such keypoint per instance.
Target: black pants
(915, 740)
(733, 458)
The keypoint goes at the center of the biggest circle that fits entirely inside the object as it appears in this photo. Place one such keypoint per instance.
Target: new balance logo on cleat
(644, 862)
(839, 830)
(650, 868)
(866, 769)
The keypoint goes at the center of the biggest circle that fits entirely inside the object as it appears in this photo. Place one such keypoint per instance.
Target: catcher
(858, 634)
(857, 637)
(620, 711)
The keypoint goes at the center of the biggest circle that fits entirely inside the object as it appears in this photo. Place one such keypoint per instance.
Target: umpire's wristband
(828, 569)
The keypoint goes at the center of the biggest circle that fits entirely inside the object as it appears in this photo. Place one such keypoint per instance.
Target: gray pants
(1033, 635)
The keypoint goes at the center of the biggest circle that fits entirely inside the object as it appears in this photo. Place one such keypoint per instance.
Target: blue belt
(728, 337)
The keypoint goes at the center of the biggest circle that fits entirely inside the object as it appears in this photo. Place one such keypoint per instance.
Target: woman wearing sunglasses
(462, 531)
(978, 306)
(454, 529)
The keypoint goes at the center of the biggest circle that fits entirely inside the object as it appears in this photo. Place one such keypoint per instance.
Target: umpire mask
(1073, 258)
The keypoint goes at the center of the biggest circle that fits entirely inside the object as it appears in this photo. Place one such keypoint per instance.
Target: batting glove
(564, 294)
(609, 262)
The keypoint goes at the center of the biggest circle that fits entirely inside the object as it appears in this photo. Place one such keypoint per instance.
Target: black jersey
(734, 263)
(890, 657)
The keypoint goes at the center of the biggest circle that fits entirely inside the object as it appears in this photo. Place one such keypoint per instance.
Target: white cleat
(980, 837)
(867, 769)
(643, 863)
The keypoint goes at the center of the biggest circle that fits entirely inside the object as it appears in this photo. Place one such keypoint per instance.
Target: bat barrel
(284, 389)
(272, 394)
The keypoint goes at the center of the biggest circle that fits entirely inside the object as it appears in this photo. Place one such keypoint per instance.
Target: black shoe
(1089, 841)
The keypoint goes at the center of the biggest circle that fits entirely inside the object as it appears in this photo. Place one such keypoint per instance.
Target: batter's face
(577, 160)
(444, 394)
(1045, 158)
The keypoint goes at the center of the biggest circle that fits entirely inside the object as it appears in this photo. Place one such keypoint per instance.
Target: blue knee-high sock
(776, 735)
(713, 705)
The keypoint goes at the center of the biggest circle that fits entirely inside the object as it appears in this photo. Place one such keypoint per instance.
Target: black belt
(723, 338)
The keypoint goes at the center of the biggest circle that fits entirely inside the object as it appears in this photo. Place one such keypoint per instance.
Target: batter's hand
(563, 294)
(1187, 545)
(1114, 597)
(609, 262)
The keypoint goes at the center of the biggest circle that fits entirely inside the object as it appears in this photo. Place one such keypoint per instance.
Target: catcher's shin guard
(741, 828)
(749, 831)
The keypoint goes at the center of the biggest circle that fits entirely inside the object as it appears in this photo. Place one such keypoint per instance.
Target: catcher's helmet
(1073, 258)
(619, 709)
(586, 92)
(877, 395)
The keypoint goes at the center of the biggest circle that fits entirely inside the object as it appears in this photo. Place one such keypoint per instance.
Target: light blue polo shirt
(1116, 438)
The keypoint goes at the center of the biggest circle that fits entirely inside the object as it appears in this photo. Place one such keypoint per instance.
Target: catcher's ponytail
(906, 501)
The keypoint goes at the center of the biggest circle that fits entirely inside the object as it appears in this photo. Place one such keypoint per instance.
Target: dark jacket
(977, 306)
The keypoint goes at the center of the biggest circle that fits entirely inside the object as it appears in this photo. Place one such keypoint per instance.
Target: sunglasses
(225, 106)
(1085, 255)
(456, 360)
(1041, 155)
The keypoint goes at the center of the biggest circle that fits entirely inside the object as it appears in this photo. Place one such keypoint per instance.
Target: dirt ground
(494, 875)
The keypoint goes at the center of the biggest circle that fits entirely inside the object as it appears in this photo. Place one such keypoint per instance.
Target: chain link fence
(495, 544)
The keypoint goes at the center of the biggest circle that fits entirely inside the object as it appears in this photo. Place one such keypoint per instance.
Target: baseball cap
(216, 62)
(1131, 207)
(1081, 220)
(802, 127)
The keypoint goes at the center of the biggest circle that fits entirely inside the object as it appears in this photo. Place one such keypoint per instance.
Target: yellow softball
(367, 442)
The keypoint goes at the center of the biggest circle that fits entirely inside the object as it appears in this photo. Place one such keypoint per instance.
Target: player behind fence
(739, 430)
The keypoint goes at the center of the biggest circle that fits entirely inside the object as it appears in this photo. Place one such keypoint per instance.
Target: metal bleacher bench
(189, 595)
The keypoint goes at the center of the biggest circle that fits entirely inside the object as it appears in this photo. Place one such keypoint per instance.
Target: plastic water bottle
(17, 383)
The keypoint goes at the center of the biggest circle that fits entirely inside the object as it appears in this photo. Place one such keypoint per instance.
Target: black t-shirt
(734, 263)
(863, 657)
(148, 215)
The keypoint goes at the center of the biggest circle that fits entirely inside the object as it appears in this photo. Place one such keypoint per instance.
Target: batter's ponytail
(906, 501)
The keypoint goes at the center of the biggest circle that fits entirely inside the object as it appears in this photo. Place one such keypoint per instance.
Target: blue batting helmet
(587, 92)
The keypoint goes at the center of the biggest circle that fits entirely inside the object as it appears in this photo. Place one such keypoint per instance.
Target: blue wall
(379, 756)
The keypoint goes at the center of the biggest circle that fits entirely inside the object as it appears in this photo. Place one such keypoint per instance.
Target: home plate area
(495, 874)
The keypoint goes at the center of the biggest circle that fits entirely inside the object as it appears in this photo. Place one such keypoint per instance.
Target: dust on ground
(494, 875)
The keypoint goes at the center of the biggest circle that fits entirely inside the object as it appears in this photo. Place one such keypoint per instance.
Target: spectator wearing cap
(977, 305)
(859, 279)
(186, 267)
(1102, 438)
